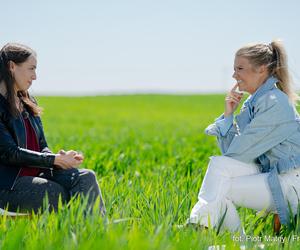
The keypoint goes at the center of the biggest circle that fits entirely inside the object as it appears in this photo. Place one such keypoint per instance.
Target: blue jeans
(28, 192)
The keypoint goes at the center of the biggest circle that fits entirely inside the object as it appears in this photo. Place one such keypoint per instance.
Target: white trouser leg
(254, 192)
(251, 191)
(228, 183)
(212, 201)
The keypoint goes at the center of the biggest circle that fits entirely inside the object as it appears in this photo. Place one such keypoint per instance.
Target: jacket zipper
(20, 115)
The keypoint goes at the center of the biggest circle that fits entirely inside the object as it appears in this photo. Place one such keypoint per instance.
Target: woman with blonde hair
(259, 166)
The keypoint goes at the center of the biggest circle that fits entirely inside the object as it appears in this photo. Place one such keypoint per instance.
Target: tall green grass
(150, 155)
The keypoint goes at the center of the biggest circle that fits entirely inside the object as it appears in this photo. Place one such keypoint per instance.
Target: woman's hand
(232, 101)
(78, 155)
(69, 159)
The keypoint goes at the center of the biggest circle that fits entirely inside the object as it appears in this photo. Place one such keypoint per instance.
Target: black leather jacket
(13, 152)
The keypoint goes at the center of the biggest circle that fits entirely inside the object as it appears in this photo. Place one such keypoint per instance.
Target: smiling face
(24, 73)
(248, 77)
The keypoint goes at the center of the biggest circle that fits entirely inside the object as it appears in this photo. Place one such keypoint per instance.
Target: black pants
(29, 192)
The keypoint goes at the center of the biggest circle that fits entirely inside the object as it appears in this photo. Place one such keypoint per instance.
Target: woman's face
(24, 73)
(248, 77)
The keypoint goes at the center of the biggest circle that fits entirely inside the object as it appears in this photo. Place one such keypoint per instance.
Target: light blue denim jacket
(266, 132)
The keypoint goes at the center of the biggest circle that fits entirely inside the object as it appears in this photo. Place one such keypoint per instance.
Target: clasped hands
(68, 160)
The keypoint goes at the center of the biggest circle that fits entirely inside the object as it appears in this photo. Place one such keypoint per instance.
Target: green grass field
(150, 155)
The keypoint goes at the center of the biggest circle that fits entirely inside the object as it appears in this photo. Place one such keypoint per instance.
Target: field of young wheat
(150, 155)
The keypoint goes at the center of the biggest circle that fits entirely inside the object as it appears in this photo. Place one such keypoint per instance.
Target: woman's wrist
(226, 114)
(57, 160)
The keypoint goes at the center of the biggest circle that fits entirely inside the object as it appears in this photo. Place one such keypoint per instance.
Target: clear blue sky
(90, 47)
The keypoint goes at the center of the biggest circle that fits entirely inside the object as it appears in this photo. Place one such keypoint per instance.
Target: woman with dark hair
(260, 163)
(28, 169)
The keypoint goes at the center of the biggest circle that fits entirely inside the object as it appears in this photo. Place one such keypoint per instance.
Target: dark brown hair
(17, 53)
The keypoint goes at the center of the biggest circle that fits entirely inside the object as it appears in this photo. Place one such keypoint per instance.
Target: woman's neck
(261, 81)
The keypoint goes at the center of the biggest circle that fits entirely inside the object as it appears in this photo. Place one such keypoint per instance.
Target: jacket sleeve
(13, 155)
(273, 122)
(225, 131)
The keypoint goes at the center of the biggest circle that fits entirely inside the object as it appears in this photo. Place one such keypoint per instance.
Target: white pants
(229, 183)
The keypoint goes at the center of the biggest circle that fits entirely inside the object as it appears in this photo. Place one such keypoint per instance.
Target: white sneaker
(5, 212)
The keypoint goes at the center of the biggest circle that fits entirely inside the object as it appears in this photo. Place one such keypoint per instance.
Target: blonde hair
(274, 56)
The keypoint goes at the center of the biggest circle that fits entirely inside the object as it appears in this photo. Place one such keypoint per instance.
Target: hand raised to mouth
(232, 100)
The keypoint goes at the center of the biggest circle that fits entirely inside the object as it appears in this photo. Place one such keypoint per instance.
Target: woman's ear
(262, 69)
(12, 66)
